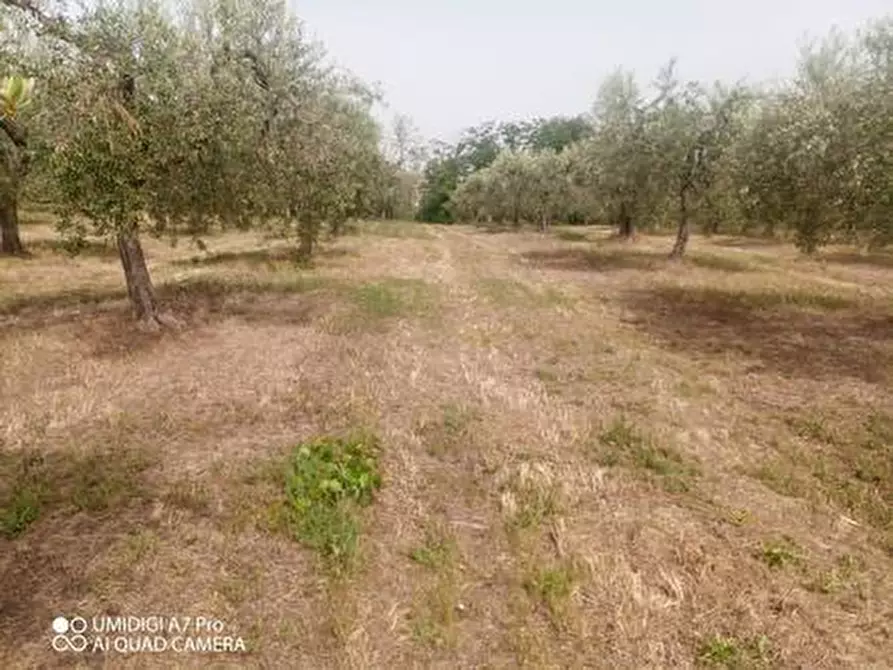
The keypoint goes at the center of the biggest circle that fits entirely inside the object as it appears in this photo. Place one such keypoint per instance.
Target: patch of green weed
(778, 554)
(621, 444)
(327, 482)
(449, 432)
(736, 654)
(530, 498)
(98, 481)
(553, 586)
(437, 552)
(778, 477)
(376, 304)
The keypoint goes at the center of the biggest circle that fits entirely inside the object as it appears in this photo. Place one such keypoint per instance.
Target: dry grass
(589, 456)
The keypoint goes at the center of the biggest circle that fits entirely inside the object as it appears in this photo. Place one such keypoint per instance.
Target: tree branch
(14, 132)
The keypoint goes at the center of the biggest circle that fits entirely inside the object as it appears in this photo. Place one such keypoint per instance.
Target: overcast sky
(449, 64)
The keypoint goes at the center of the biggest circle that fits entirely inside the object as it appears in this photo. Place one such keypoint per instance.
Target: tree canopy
(810, 158)
(136, 117)
(175, 119)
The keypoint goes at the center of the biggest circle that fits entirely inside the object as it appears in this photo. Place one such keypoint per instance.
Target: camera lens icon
(76, 641)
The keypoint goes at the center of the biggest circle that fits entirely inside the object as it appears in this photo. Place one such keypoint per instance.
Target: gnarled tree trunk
(16, 168)
(627, 228)
(139, 282)
(10, 242)
(683, 232)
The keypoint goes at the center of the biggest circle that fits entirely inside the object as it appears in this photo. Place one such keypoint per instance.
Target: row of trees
(813, 157)
(479, 147)
(174, 119)
(518, 186)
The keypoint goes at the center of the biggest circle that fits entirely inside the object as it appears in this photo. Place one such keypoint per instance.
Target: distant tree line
(812, 158)
(478, 149)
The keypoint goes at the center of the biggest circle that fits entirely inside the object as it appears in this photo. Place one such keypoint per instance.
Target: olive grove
(175, 119)
(811, 158)
(148, 117)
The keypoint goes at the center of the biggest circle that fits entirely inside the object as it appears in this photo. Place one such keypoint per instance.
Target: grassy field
(442, 447)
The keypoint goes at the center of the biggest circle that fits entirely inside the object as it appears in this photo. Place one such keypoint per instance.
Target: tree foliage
(517, 187)
(811, 159)
(176, 119)
(479, 147)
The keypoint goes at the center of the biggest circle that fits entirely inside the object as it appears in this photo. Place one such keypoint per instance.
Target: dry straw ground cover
(439, 447)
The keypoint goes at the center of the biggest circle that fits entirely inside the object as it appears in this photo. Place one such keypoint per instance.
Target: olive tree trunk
(627, 228)
(16, 168)
(139, 282)
(306, 238)
(684, 230)
(10, 242)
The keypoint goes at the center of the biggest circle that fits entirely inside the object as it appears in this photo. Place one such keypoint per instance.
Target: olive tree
(316, 168)
(319, 152)
(801, 152)
(695, 128)
(148, 132)
(473, 200)
(169, 121)
(623, 152)
(869, 114)
(549, 194)
(15, 94)
(516, 187)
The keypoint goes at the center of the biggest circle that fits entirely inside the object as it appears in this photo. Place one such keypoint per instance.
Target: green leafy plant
(327, 482)
(19, 512)
(438, 551)
(779, 553)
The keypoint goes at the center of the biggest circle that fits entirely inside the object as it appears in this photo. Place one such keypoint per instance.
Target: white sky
(449, 64)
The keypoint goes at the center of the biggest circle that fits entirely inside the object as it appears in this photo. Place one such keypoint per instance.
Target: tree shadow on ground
(747, 242)
(719, 262)
(496, 229)
(335, 252)
(47, 304)
(260, 257)
(597, 260)
(103, 317)
(251, 256)
(292, 301)
(798, 334)
(392, 228)
(875, 259)
(87, 248)
(60, 510)
(571, 235)
(606, 259)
